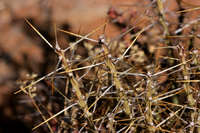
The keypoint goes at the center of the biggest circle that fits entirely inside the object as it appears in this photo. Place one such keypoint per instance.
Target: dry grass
(119, 88)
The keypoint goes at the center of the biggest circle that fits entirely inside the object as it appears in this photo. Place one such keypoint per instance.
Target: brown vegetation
(126, 66)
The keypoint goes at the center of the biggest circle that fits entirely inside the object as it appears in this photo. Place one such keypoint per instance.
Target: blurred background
(23, 52)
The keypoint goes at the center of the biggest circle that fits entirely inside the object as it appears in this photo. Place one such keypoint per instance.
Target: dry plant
(119, 87)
